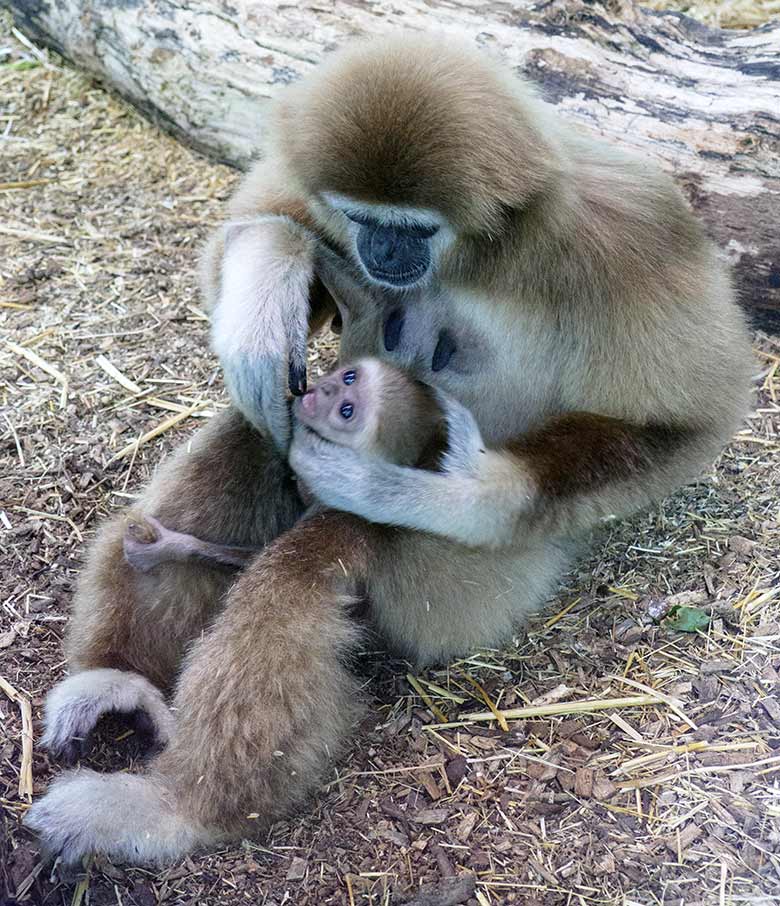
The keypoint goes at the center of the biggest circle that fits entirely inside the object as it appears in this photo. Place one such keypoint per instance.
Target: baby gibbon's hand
(476, 501)
(337, 476)
(466, 451)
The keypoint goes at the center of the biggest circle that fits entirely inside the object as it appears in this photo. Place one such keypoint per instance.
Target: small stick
(561, 613)
(410, 769)
(16, 441)
(164, 426)
(34, 235)
(37, 360)
(499, 715)
(43, 365)
(23, 184)
(556, 710)
(626, 727)
(673, 703)
(658, 779)
(427, 701)
(112, 371)
(25, 768)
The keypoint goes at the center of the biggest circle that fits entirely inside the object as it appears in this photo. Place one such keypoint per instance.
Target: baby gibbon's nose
(328, 388)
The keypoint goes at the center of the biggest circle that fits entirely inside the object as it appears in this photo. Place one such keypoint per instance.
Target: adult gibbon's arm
(569, 473)
(257, 274)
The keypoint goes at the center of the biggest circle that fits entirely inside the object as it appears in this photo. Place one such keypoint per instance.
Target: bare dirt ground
(673, 801)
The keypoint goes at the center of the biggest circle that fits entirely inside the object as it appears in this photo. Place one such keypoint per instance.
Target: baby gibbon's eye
(346, 410)
(349, 377)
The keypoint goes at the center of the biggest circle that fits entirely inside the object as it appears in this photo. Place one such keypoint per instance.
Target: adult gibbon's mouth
(402, 278)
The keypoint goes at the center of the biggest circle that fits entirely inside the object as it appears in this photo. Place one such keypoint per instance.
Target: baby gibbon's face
(342, 406)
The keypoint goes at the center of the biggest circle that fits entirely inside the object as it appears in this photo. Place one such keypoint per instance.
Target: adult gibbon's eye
(349, 377)
(346, 410)
(359, 217)
(420, 230)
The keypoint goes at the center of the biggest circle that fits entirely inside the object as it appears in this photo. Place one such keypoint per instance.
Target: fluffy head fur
(394, 122)
(409, 427)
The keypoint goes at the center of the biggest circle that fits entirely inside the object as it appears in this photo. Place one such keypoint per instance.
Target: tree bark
(703, 102)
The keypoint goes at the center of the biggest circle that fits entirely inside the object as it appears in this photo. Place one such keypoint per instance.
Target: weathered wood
(704, 102)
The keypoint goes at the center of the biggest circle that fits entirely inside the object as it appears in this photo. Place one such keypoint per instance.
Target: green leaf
(687, 619)
(21, 65)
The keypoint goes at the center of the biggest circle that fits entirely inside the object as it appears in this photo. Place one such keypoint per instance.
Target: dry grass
(672, 798)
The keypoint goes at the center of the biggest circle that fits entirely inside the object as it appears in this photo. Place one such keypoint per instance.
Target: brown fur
(585, 305)
(582, 452)
(276, 660)
(405, 426)
(238, 491)
(416, 147)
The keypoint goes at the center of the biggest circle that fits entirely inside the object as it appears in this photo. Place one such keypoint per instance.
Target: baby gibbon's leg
(227, 484)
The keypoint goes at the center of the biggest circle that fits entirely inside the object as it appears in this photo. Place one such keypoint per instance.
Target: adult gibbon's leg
(226, 484)
(264, 700)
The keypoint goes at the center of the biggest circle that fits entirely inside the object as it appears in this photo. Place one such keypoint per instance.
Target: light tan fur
(406, 425)
(595, 360)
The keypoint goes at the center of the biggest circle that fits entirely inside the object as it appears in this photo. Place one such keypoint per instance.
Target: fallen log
(703, 102)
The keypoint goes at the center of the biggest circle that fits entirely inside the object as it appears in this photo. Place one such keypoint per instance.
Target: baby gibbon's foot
(148, 544)
(75, 705)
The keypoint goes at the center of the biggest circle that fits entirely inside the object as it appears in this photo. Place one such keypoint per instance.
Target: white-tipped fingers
(257, 388)
(465, 445)
(74, 706)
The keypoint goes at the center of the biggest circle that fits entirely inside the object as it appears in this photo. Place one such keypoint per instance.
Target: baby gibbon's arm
(573, 470)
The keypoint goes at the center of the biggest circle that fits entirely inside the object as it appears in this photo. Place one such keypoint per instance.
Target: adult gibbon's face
(396, 247)
(398, 255)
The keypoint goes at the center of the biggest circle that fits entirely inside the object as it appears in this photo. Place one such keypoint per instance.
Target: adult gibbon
(558, 291)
